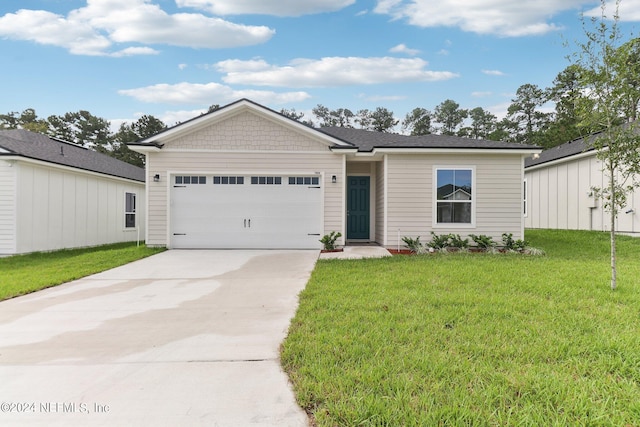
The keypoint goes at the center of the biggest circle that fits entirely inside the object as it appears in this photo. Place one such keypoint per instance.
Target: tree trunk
(614, 211)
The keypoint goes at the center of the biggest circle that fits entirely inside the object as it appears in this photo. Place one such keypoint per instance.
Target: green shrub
(513, 245)
(439, 242)
(455, 241)
(329, 240)
(483, 241)
(414, 245)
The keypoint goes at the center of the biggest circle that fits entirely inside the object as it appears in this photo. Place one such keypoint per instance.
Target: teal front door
(358, 207)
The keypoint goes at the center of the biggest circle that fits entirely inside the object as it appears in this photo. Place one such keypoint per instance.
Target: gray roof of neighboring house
(567, 149)
(367, 141)
(577, 146)
(23, 143)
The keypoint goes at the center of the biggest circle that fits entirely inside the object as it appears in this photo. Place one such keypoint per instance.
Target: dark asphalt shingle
(367, 141)
(23, 143)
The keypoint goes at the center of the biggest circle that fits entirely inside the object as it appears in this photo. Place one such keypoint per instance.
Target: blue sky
(120, 59)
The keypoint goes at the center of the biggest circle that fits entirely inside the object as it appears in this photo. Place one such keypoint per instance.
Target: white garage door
(246, 212)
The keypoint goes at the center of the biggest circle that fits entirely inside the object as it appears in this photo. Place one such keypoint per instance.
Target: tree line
(87, 130)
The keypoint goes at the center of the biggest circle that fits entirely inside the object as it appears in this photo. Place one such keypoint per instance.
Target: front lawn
(472, 339)
(21, 274)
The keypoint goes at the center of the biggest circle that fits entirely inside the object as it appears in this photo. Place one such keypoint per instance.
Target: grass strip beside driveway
(21, 274)
(472, 339)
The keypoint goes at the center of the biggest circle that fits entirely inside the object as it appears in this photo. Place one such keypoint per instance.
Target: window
(191, 179)
(524, 197)
(304, 180)
(266, 180)
(228, 180)
(129, 210)
(454, 196)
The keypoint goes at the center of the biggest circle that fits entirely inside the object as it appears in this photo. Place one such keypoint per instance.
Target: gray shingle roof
(23, 143)
(366, 141)
(561, 151)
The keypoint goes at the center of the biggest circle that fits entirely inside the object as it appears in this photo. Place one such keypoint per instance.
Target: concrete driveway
(183, 338)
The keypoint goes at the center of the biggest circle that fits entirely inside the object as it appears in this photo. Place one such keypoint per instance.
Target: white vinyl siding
(559, 197)
(58, 208)
(7, 207)
(410, 197)
(240, 164)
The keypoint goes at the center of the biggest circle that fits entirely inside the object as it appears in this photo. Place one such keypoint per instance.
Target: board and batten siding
(410, 195)
(59, 208)
(560, 196)
(7, 208)
(242, 163)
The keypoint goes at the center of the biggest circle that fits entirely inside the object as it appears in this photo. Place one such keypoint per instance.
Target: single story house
(245, 176)
(57, 195)
(558, 191)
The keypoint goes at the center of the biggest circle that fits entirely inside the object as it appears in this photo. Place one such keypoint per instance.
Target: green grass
(472, 339)
(21, 274)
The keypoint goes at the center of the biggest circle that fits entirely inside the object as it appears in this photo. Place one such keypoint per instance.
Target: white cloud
(132, 51)
(629, 10)
(481, 94)
(381, 98)
(330, 72)
(94, 29)
(402, 48)
(493, 72)
(207, 94)
(510, 18)
(182, 66)
(50, 29)
(266, 7)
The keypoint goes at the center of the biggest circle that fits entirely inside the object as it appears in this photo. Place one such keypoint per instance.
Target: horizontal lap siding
(7, 208)
(245, 163)
(498, 198)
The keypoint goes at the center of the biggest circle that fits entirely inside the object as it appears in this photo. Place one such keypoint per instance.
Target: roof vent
(61, 150)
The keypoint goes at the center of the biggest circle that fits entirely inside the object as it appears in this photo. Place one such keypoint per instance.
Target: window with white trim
(454, 195)
(129, 210)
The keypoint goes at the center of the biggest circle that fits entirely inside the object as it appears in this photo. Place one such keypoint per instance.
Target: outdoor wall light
(156, 177)
(334, 179)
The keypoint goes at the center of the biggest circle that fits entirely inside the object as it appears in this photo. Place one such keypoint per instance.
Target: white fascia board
(144, 149)
(69, 169)
(526, 151)
(562, 160)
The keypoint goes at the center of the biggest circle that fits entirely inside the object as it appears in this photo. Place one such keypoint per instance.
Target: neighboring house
(55, 195)
(559, 191)
(245, 176)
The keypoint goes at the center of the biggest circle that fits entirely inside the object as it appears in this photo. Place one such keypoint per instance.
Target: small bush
(483, 241)
(440, 242)
(329, 240)
(455, 241)
(414, 245)
(513, 245)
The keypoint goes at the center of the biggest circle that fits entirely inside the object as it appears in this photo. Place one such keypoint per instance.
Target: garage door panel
(246, 216)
